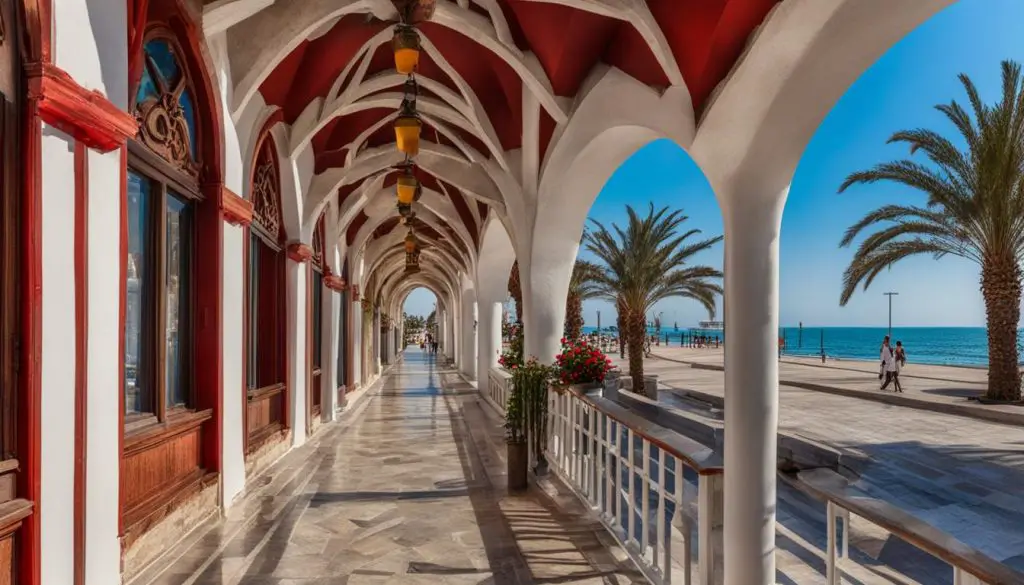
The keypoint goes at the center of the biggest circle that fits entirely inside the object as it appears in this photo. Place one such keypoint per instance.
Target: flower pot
(517, 461)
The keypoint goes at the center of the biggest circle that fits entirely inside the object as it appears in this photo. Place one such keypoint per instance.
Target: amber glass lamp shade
(407, 186)
(407, 134)
(411, 243)
(406, 45)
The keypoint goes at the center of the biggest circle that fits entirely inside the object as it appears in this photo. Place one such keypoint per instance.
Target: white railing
(969, 566)
(498, 384)
(640, 479)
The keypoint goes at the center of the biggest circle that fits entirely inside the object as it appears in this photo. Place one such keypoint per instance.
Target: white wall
(233, 317)
(102, 547)
(57, 477)
(296, 344)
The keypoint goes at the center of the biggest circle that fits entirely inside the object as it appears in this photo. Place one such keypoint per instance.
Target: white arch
(495, 260)
(806, 55)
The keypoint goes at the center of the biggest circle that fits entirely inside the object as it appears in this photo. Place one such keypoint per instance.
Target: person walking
(899, 358)
(888, 366)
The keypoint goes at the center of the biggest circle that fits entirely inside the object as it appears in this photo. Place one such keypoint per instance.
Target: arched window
(266, 394)
(316, 300)
(163, 192)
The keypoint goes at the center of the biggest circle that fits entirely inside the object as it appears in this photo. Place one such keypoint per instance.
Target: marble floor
(410, 489)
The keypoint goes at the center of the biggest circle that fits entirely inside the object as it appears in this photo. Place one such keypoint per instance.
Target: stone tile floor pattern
(960, 474)
(410, 489)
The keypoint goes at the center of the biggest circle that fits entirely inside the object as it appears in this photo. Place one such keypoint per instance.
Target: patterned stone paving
(963, 475)
(409, 490)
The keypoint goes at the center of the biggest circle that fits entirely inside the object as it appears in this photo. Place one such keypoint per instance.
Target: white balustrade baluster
(645, 493)
(631, 505)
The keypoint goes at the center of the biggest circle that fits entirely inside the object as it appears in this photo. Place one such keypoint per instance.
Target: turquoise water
(962, 346)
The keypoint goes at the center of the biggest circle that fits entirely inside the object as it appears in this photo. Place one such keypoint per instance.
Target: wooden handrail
(828, 485)
(701, 458)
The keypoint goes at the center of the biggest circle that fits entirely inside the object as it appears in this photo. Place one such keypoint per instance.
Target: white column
(296, 282)
(58, 368)
(376, 342)
(356, 314)
(488, 338)
(468, 362)
(751, 315)
(545, 282)
(328, 354)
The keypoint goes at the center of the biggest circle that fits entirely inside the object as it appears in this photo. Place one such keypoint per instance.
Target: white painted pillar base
(751, 315)
(296, 348)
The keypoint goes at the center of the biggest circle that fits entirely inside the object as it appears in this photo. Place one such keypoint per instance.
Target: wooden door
(13, 510)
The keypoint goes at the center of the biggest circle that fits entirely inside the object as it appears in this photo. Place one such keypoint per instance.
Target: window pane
(137, 388)
(147, 88)
(318, 341)
(190, 118)
(178, 292)
(254, 291)
(162, 54)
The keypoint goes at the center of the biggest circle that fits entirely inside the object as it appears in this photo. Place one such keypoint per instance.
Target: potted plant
(513, 356)
(517, 458)
(581, 364)
(533, 379)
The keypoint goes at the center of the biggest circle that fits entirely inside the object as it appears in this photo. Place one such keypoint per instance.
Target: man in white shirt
(888, 362)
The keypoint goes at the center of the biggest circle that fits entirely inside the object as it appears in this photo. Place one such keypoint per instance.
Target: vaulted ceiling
(496, 49)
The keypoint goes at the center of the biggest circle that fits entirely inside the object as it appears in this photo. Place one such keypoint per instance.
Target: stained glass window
(171, 132)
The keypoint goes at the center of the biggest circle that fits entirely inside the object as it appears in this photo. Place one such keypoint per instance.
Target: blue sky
(898, 92)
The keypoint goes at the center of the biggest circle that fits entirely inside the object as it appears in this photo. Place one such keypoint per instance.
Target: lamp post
(890, 295)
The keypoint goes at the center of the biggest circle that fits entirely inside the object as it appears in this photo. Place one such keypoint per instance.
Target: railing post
(831, 570)
(645, 495)
(631, 508)
(594, 453)
(710, 520)
(682, 523)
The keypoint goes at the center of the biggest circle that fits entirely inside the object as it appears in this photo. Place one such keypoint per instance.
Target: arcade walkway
(409, 489)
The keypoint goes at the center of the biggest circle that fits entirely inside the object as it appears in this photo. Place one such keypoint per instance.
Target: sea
(954, 346)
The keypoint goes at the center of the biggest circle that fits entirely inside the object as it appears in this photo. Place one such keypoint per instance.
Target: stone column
(296, 347)
(751, 314)
(356, 314)
(488, 338)
(467, 364)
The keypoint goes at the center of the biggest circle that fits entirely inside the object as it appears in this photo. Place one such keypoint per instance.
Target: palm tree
(647, 262)
(975, 210)
(582, 287)
(515, 289)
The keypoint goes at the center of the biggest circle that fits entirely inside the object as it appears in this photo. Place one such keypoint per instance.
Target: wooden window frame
(256, 397)
(155, 309)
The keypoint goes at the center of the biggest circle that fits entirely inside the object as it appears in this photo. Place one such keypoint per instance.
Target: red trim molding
(86, 115)
(237, 210)
(299, 252)
(355, 292)
(81, 354)
(335, 283)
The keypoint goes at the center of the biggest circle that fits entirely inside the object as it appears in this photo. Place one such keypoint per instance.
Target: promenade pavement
(961, 474)
(410, 489)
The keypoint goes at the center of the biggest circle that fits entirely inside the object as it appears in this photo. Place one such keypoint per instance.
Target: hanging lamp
(407, 186)
(406, 46)
(412, 252)
(408, 124)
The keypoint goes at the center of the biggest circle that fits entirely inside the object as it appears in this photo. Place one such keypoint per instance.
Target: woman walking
(899, 359)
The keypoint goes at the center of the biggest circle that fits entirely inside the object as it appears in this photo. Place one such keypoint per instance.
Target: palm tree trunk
(1001, 288)
(515, 289)
(573, 317)
(620, 312)
(637, 326)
